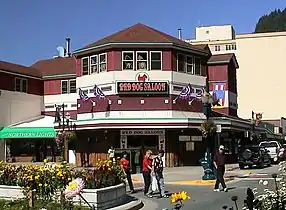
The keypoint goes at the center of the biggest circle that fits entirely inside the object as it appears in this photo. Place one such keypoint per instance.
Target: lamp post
(207, 160)
(252, 133)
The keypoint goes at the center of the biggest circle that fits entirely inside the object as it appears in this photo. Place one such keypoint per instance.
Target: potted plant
(208, 127)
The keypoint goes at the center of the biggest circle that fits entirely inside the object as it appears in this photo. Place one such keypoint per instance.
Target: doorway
(138, 145)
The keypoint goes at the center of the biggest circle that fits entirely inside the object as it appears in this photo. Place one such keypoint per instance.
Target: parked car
(250, 155)
(275, 149)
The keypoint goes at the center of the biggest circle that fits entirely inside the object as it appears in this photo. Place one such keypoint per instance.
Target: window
(102, 62)
(217, 47)
(21, 85)
(72, 86)
(64, 86)
(84, 67)
(68, 86)
(230, 47)
(127, 60)
(18, 84)
(197, 66)
(156, 60)
(190, 69)
(93, 64)
(181, 63)
(233, 46)
(142, 61)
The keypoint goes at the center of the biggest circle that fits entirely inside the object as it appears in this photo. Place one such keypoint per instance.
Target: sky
(31, 30)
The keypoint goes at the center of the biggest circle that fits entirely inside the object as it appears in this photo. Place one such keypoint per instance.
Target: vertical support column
(162, 146)
(123, 141)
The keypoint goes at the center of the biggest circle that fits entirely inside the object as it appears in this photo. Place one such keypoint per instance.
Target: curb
(133, 205)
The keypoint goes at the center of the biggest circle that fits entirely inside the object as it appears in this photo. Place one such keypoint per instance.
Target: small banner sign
(142, 87)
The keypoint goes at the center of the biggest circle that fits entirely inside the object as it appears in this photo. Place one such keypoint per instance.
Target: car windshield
(268, 144)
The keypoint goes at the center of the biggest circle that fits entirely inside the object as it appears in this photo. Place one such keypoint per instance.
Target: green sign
(14, 133)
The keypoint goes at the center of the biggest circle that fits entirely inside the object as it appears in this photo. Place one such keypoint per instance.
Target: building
(261, 59)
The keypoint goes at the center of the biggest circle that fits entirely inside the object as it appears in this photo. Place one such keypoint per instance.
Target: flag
(98, 92)
(185, 93)
(82, 95)
(219, 93)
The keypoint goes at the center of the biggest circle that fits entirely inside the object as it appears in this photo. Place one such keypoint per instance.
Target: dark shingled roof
(19, 69)
(140, 33)
(56, 66)
(223, 58)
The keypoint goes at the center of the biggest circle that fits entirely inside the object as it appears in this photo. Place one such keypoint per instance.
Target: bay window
(156, 60)
(102, 62)
(128, 60)
(142, 60)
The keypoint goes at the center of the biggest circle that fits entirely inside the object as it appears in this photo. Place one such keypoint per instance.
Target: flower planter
(10, 192)
(103, 198)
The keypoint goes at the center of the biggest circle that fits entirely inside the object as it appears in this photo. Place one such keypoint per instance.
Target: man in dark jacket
(219, 163)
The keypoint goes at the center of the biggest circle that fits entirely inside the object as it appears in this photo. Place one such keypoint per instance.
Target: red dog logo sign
(142, 77)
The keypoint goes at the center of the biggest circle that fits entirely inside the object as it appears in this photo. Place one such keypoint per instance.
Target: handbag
(154, 184)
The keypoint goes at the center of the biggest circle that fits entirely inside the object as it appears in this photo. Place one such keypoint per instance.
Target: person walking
(157, 167)
(125, 165)
(111, 153)
(146, 171)
(219, 163)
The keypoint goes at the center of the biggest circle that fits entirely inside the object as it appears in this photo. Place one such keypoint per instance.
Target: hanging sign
(142, 87)
(142, 132)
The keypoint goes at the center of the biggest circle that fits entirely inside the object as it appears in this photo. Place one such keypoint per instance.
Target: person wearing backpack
(157, 166)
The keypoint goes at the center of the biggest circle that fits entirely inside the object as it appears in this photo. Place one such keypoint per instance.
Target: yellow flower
(185, 196)
(45, 161)
(69, 179)
(40, 185)
(45, 184)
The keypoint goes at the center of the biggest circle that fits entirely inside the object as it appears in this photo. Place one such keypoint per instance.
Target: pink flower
(74, 188)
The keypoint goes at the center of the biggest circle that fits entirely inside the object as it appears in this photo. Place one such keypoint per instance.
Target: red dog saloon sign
(142, 87)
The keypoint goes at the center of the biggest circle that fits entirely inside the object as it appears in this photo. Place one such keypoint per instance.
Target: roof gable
(223, 59)
(60, 66)
(19, 69)
(140, 33)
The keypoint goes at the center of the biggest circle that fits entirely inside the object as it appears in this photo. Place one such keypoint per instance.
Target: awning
(20, 133)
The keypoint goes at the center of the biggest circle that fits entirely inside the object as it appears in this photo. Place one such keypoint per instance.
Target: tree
(273, 22)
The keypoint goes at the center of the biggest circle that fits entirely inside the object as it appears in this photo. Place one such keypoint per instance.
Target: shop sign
(142, 132)
(184, 138)
(31, 135)
(142, 87)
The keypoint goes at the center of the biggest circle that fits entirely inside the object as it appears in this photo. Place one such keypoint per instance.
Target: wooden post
(31, 198)
(66, 149)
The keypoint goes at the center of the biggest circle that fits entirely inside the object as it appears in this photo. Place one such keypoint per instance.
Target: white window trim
(62, 87)
(193, 64)
(15, 84)
(88, 71)
(142, 60)
(127, 60)
(89, 67)
(69, 90)
(102, 63)
(161, 55)
(22, 79)
(178, 63)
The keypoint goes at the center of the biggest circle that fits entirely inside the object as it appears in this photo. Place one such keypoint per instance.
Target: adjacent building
(261, 59)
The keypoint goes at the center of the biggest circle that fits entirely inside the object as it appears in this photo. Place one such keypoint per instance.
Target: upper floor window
(181, 63)
(68, 86)
(155, 60)
(142, 60)
(93, 64)
(21, 85)
(102, 62)
(197, 66)
(190, 65)
(85, 66)
(128, 60)
(217, 47)
(230, 47)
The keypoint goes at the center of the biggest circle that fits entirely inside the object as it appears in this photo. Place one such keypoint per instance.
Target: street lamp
(206, 162)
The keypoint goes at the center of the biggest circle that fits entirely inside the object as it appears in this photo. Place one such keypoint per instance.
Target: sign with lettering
(30, 135)
(142, 87)
(142, 132)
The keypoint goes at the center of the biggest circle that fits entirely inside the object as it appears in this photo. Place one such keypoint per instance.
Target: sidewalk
(189, 173)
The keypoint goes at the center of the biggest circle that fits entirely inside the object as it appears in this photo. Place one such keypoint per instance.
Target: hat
(221, 147)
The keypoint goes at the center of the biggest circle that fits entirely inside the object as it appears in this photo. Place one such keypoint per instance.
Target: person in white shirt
(111, 152)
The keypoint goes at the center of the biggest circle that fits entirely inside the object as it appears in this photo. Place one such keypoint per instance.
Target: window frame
(15, 86)
(161, 59)
(217, 48)
(67, 86)
(23, 79)
(88, 70)
(185, 70)
(21, 89)
(195, 66)
(147, 67)
(122, 60)
(90, 65)
(99, 62)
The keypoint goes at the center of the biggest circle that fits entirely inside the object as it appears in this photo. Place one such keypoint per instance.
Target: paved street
(203, 197)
